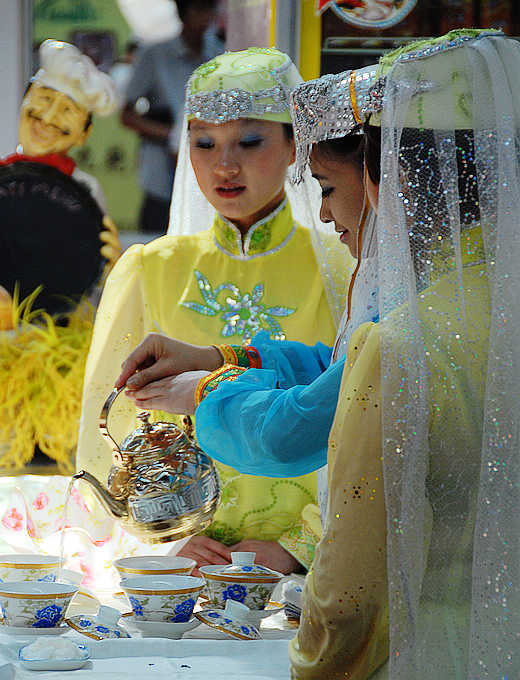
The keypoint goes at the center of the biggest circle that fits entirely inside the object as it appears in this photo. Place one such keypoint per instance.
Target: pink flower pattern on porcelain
(12, 519)
(41, 501)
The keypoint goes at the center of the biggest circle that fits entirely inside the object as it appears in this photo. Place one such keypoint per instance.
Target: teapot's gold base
(173, 529)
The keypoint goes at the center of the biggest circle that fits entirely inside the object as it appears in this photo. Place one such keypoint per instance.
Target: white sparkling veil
(450, 124)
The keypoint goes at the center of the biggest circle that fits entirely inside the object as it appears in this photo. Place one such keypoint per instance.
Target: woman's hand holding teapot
(159, 356)
(173, 394)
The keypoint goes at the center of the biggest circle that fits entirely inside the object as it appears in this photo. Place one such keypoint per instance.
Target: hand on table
(174, 394)
(204, 551)
(159, 356)
(269, 554)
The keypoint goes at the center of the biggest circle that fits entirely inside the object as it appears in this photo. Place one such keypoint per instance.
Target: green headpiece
(438, 77)
(253, 83)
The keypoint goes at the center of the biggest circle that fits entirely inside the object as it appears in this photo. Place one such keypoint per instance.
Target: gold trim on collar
(263, 238)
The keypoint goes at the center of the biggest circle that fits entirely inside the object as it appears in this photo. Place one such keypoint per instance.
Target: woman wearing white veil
(420, 556)
(227, 270)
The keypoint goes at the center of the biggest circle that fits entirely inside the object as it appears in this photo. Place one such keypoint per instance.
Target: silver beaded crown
(329, 107)
(220, 106)
(252, 83)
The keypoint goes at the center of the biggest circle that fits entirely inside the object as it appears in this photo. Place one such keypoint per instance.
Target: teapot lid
(243, 564)
(152, 436)
(149, 436)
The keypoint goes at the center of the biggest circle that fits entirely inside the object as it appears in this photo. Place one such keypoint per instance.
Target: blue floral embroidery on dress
(244, 314)
(48, 617)
(235, 592)
(136, 606)
(183, 611)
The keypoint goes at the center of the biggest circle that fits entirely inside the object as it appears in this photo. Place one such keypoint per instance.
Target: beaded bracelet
(213, 380)
(240, 355)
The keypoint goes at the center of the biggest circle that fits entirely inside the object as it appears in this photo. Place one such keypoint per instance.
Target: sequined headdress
(252, 83)
(327, 108)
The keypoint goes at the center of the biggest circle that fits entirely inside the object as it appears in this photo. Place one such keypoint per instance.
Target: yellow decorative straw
(41, 379)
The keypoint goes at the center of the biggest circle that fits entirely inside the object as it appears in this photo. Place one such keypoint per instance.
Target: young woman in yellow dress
(222, 277)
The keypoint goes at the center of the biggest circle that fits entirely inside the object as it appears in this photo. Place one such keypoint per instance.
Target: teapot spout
(114, 507)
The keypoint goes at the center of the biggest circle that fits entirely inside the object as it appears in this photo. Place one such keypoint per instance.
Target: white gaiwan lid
(233, 620)
(103, 626)
(243, 564)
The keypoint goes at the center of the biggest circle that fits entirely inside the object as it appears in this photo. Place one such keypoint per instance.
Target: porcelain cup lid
(103, 626)
(233, 620)
(243, 564)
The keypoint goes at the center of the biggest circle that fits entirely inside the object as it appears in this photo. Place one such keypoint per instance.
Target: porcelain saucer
(21, 632)
(255, 616)
(173, 631)
(54, 664)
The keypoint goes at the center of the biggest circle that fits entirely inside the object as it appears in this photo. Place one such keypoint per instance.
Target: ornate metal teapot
(162, 486)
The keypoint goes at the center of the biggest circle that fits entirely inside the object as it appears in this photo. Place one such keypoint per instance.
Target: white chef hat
(66, 69)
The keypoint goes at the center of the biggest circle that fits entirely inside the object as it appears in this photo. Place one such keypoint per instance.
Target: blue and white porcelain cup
(29, 567)
(34, 604)
(169, 599)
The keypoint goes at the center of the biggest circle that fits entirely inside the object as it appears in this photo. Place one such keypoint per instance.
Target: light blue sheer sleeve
(260, 429)
(293, 362)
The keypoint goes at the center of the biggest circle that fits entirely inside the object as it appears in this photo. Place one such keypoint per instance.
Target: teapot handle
(187, 424)
(103, 419)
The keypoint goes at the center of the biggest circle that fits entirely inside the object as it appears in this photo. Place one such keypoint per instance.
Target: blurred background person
(155, 98)
(121, 71)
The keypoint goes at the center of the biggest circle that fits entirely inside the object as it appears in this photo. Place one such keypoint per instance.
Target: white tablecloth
(169, 659)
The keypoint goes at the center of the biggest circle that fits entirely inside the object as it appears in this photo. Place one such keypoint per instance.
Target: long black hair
(415, 152)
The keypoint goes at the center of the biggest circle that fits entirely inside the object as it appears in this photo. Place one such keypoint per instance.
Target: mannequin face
(342, 194)
(50, 122)
(240, 166)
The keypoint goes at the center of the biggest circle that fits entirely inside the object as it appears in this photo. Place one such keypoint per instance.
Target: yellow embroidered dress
(204, 288)
(344, 630)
